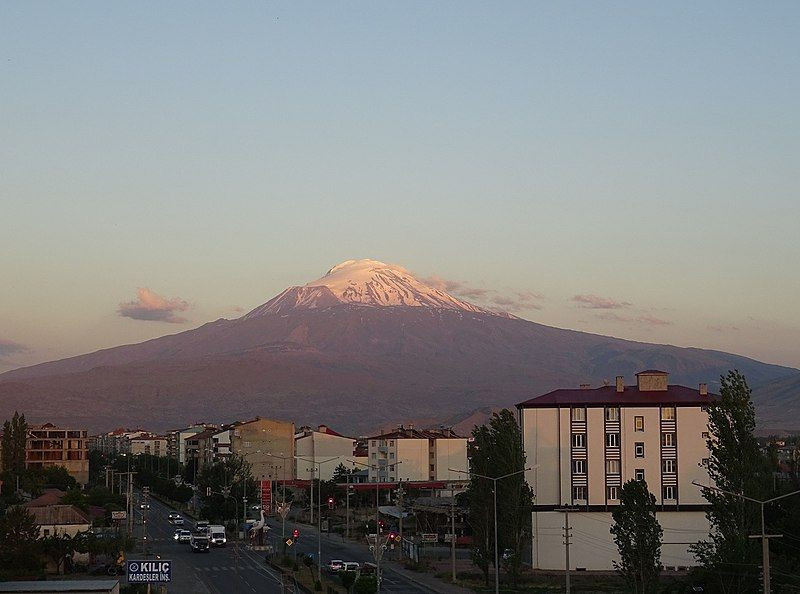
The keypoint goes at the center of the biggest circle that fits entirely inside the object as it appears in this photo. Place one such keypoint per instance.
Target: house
(583, 444)
(410, 454)
(56, 520)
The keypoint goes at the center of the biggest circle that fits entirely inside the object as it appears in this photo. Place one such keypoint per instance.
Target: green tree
(56, 548)
(638, 536)
(15, 433)
(20, 549)
(730, 558)
(497, 451)
(228, 480)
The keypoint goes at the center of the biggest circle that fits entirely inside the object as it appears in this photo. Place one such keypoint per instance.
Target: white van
(217, 535)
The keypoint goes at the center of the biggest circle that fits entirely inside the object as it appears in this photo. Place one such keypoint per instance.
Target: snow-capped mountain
(368, 283)
(365, 345)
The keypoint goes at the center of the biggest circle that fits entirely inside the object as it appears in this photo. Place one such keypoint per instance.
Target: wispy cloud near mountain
(591, 301)
(150, 306)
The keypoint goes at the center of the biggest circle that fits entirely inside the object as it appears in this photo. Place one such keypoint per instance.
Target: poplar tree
(638, 536)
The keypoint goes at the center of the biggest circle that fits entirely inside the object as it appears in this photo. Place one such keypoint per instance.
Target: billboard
(266, 496)
(143, 572)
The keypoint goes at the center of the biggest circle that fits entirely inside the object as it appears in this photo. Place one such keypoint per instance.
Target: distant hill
(364, 345)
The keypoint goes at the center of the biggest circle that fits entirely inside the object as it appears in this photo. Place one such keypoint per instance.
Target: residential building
(268, 445)
(321, 445)
(409, 454)
(58, 520)
(584, 444)
(48, 445)
(147, 443)
(176, 440)
(116, 441)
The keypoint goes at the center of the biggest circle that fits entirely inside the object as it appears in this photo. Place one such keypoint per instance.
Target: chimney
(703, 389)
(585, 386)
(620, 384)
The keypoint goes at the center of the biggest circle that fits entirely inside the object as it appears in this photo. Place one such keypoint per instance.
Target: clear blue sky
(642, 153)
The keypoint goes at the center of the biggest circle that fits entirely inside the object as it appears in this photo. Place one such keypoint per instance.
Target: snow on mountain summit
(368, 283)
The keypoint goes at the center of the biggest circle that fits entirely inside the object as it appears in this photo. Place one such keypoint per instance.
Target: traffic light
(296, 533)
(392, 537)
(330, 502)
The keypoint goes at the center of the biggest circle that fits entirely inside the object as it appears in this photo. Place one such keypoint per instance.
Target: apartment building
(409, 454)
(48, 445)
(268, 445)
(116, 441)
(324, 445)
(176, 440)
(585, 443)
(147, 443)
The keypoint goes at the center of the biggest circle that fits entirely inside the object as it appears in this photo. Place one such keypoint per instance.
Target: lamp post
(378, 550)
(283, 511)
(763, 536)
(319, 504)
(494, 480)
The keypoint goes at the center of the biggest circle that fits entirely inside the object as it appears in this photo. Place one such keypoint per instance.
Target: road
(222, 570)
(335, 547)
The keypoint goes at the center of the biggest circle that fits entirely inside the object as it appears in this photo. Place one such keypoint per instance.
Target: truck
(217, 535)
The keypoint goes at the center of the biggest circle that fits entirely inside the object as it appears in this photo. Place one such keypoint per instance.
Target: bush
(366, 584)
(347, 578)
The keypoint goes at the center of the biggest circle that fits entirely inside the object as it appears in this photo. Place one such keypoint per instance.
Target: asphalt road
(223, 570)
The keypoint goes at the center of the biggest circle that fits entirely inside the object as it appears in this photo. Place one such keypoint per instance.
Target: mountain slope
(372, 348)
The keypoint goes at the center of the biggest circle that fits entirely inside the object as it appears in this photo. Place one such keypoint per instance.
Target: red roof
(608, 395)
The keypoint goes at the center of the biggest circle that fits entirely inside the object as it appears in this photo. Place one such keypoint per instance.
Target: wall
(324, 446)
(415, 457)
(692, 448)
(450, 453)
(259, 441)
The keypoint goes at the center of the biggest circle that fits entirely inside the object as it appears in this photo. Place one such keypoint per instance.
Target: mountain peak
(368, 283)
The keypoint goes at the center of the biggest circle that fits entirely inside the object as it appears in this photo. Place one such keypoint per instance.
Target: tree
(20, 553)
(497, 451)
(638, 536)
(15, 434)
(735, 464)
(340, 473)
(57, 547)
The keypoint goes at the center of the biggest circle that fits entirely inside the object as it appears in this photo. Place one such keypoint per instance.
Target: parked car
(199, 543)
(335, 565)
(350, 566)
(182, 536)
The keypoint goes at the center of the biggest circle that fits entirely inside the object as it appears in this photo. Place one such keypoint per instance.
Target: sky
(622, 168)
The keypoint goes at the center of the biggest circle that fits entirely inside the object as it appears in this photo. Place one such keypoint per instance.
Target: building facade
(323, 445)
(48, 445)
(154, 445)
(409, 454)
(268, 445)
(585, 443)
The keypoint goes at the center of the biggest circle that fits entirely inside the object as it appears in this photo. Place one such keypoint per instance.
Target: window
(47, 532)
(612, 492)
(374, 455)
(579, 493)
(578, 440)
(578, 414)
(668, 440)
(612, 466)
(638, 423)
(612, 440)
(638, 474)
(433, 467)
(704, 435)
(638, 449)
(668, 466)
(612, 414)
(391, 455)
(391, 443)
(391, 479)
(579, 466)
(668, 413)
(670, 492)
(373, 444)
(391, 468)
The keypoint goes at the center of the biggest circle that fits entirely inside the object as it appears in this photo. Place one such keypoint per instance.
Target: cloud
(9, 347)
(520, 300)
(723, 328)
(646, 319)
(153, 307)
(457, 287)
(596, 302)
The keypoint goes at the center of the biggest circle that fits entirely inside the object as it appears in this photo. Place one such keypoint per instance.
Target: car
(350, 566)
(178, 521)
(182, 536)
(199, 543)
(335, 565)
(144, 506)
(173, 515)
(255, 507)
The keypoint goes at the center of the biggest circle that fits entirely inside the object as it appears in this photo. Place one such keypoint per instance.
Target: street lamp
(319, 504)
(763, 536)
(378, 550)
(494, 479)
(283, 510)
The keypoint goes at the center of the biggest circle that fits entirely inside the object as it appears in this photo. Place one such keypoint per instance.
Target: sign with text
(141, 572)
(429, 537)
(266, 496)
(119, 515)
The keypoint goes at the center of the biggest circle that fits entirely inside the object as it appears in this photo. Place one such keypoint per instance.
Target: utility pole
(567, 537)
(348, 506)
(452, 531)
(400, 493)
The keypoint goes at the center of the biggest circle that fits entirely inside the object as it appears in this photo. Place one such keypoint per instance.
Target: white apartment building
(586, 443)
(409, 454)
(147, 443)
(319, 445)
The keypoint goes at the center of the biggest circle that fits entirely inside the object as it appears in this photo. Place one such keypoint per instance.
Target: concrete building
(587, 442)
(48, 445)
(147, 443)
(176, 440)
(322, 444)
(268, 445)
(409, 454)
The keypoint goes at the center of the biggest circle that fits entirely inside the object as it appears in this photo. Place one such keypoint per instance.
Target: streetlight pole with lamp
(763, 536)
(494, 480)
(319, 504)
(283, 511)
